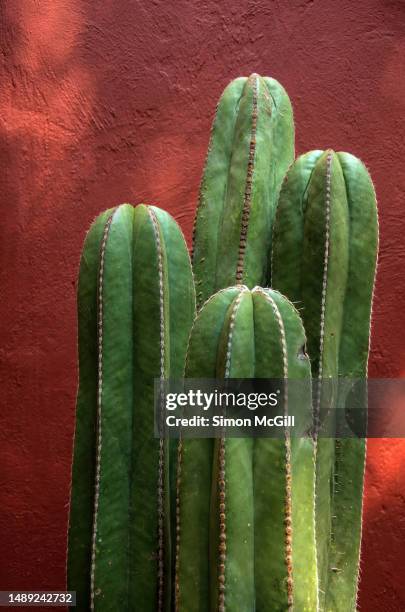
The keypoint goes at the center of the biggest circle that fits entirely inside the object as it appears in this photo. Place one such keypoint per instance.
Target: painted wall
(108, 102)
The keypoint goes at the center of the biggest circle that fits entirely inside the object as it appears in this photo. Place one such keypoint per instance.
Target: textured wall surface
(106, 102)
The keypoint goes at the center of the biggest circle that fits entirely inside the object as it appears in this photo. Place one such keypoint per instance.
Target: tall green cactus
(251, 147)
(245, 507)
(323, 258)
(135, 304)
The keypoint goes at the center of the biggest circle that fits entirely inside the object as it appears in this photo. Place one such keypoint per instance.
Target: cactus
(323, 258)
(235, 523)
(245, 507)
(251, 147)
(135, 304)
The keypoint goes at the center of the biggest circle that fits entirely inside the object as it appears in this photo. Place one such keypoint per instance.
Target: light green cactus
(135, 304)
(251, 147)
(324, 252)
(245, 507)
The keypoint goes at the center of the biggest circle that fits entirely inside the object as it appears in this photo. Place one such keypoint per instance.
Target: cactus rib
(287, 442)
(247, 198)
(161, 462)
(99, 403)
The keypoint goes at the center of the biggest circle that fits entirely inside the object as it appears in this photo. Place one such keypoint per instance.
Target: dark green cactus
(251, 147)
(323, 258)
(245, 507)
(135, 304)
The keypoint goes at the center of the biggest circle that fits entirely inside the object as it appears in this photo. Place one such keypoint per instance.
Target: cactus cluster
(283, 266)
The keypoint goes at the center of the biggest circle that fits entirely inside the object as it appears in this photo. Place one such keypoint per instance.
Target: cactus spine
(136, 305)
(324, 257)
(251, 147)
(254, 548)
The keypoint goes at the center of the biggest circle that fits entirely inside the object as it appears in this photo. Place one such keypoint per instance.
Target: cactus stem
(161, 466)
(248, 184)
(99, 403)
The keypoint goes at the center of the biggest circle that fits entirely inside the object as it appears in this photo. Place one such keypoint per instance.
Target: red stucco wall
(106, 102)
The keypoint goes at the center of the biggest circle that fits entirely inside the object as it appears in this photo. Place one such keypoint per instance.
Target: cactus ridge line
(231, 328)
(248, 185)
(161, 466)
(288, 477)
(177, 560)
(324, 288)
(178, 482)
(222, 473)
(222, 526)
(99, 402)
